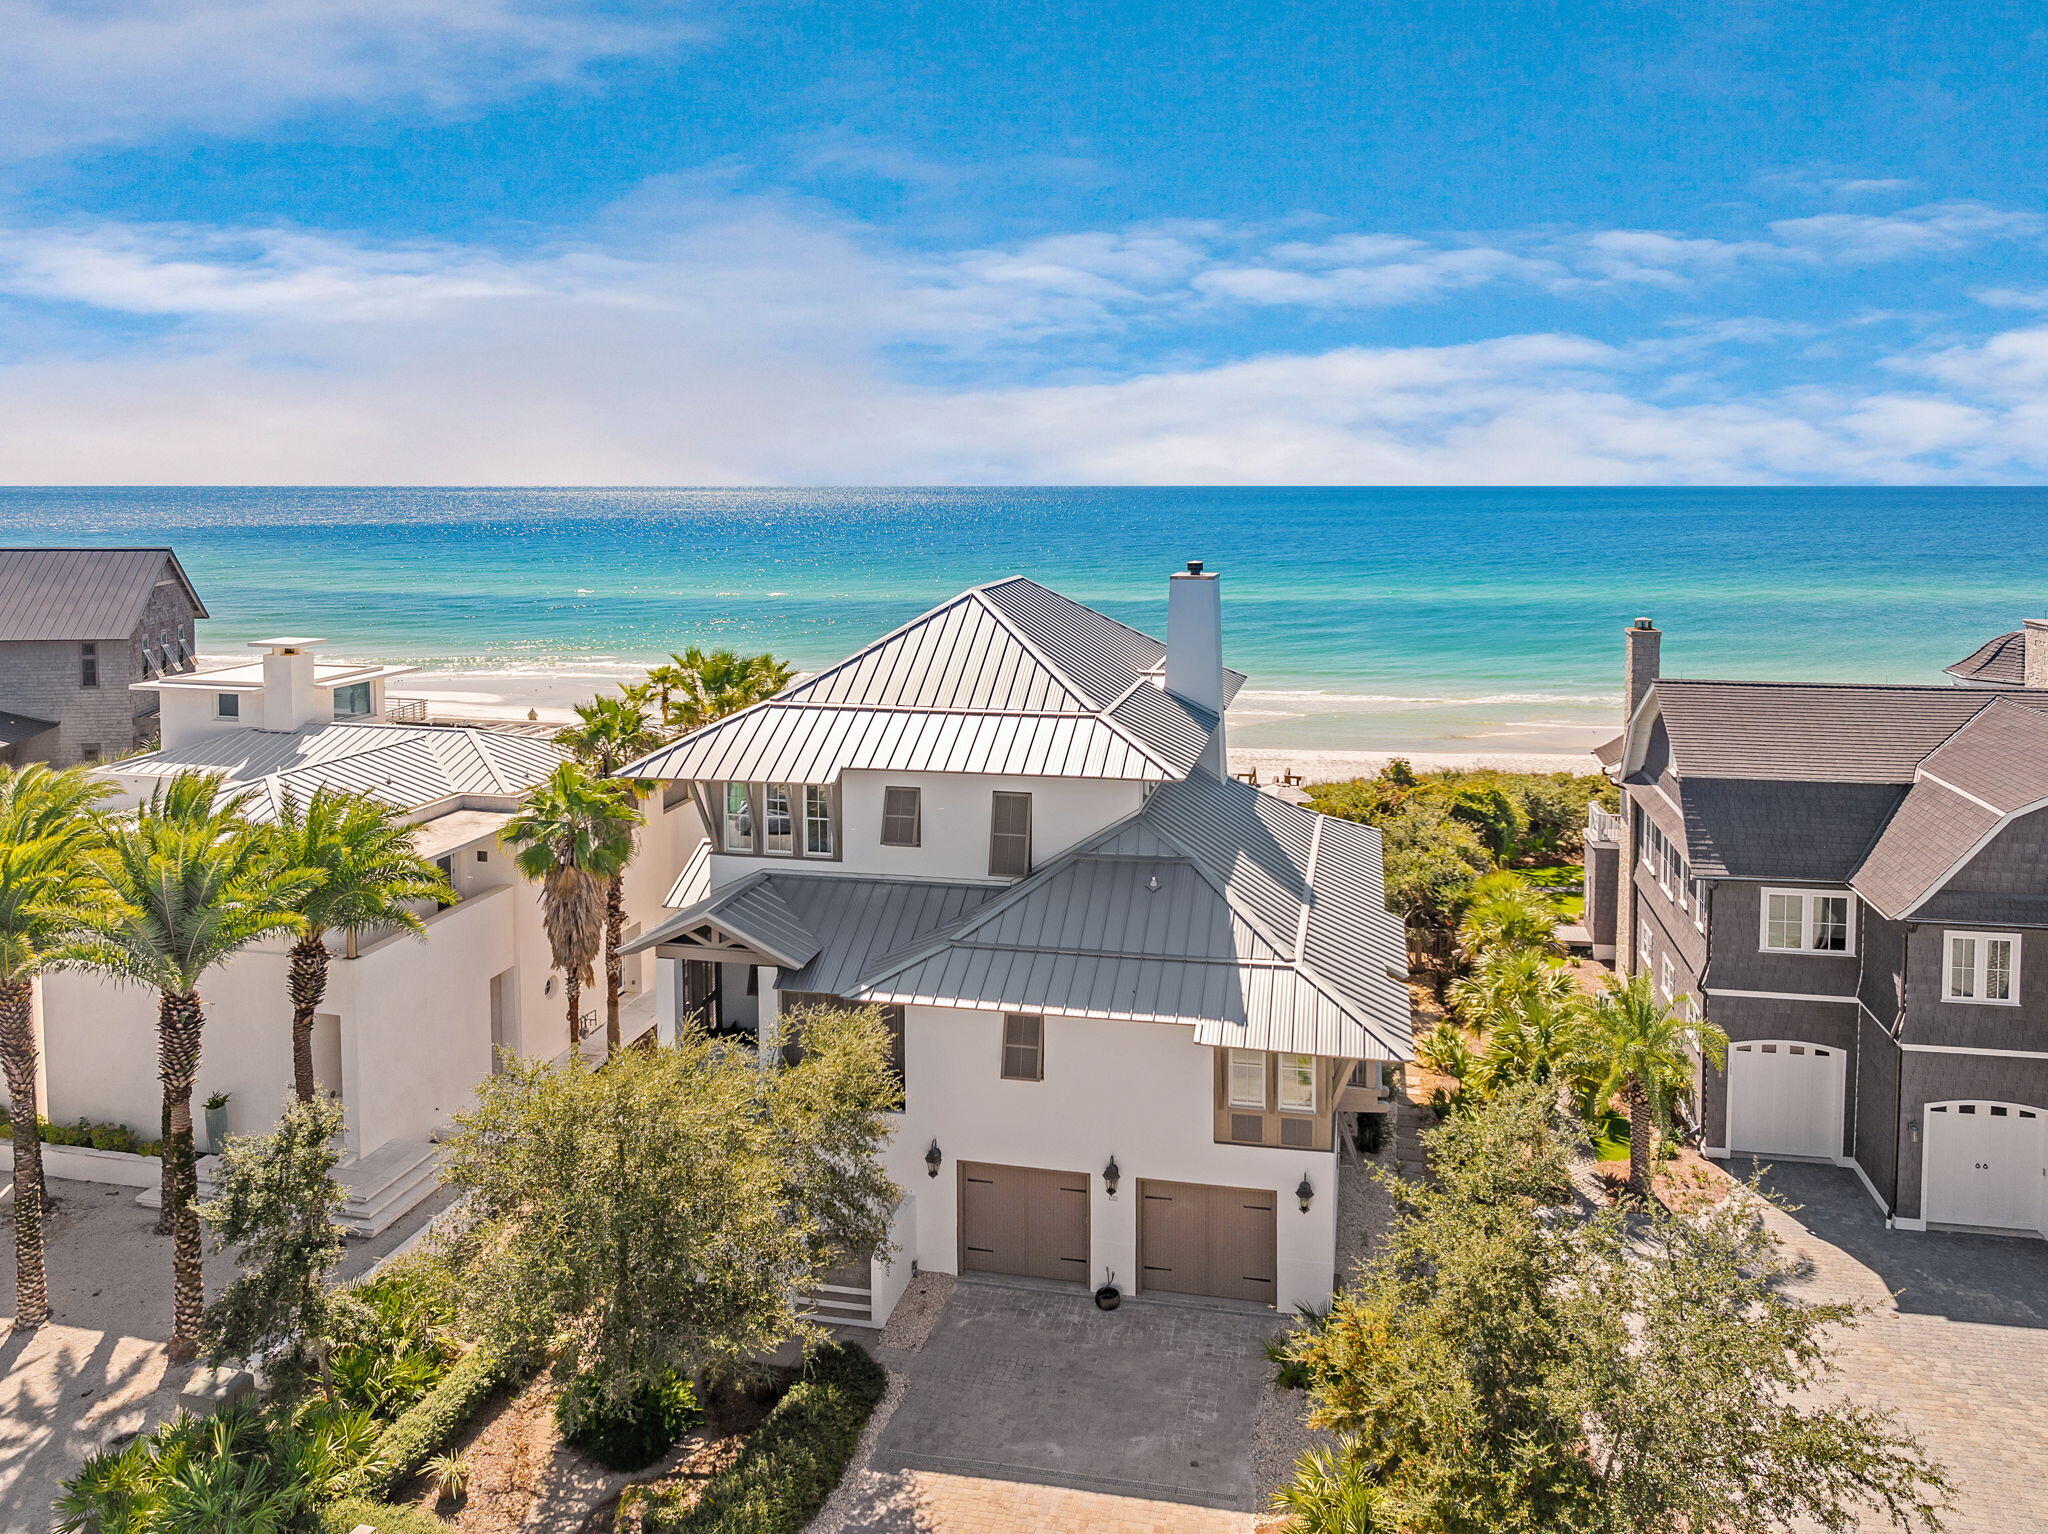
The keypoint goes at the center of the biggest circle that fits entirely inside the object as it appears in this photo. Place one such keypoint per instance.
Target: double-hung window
(818, 836)
(739, 818)
(1807, 921)
(1646, 948)
(784, 820)
(1297, 1077)
(1248, 1079)
(1983, 966)
(1667, 978)
(1666, 864)
(778, 821)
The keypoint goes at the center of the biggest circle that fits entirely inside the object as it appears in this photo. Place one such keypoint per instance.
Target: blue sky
(846, 241)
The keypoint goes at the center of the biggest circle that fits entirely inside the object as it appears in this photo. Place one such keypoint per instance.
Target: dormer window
(739, 818)
(1807, 921)
(784, 820)
(778, 820)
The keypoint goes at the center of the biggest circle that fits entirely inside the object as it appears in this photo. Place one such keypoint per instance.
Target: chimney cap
(1643, 623)
(1194, 567)
(1194, 571)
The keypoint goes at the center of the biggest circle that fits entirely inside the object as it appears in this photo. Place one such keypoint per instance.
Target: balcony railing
(406, 710)
(1602, 825)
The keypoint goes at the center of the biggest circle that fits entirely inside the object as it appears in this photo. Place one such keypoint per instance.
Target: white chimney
(1194, 651)
(2034, 657)
(289, 698)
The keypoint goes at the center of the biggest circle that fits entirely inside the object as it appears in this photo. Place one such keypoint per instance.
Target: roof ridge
(1712, 681)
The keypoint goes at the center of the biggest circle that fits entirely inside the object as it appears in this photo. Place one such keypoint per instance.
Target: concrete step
(838, 1305)
(380, 1189)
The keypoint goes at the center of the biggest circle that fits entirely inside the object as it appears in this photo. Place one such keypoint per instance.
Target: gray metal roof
(82, 594)
(1997, 662)
(1264, 930)
(1810, 731)
(406, 766)
(1008, 678)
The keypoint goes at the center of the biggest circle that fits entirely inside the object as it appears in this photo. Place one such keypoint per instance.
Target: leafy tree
(190, 884)
(1504, 1361)
(1504, 910)
(366, 873)
(574, 834)
(608, 734)
(1431, 861)
(276, 1207)
(47, 826)
(1645, 1051)
(657, 1217)
(700, 687)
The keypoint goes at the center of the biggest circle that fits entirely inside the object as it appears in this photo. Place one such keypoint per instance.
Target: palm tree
(699, 687)
(1504, 910)
(573, 833)
(367, 874)
(47, 826)
(1529, 1009)
(608, 734)
(190, 883)
(1642, 1049)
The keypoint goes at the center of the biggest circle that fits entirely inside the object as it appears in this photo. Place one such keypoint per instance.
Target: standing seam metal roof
(82, 594)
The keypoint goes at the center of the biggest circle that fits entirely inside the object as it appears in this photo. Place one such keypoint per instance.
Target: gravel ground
(917, 1312)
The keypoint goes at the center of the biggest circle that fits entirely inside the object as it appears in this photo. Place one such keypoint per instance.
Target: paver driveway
(1959, 1348)
(1029, 1408)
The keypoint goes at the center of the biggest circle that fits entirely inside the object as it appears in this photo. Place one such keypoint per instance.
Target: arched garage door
(1785, 1098)
(1983, 1165)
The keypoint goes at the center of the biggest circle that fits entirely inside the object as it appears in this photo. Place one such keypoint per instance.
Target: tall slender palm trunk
(179, 1023)
(614, 967)
(1641, 1146)
(308, 987)
(572, 984)
(18, 1047)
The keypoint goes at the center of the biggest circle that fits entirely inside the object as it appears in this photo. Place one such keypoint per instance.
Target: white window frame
(820, 797)
(1808, 899)
(221, 710)
(1978, 940)
(1255, 1059)
(790, 803)
(727, 814)
(1286, 1066)
(1646, 947)
(1667, 977)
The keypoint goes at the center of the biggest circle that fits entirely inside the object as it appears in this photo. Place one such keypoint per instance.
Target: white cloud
(77, 75)
(1935, 230)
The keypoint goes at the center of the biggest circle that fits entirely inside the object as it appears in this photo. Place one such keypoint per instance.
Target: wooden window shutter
(1009, 845)
(1023, 1047)
(901, 825)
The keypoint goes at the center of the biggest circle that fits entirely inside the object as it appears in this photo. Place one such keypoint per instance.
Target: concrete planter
(81, 1163)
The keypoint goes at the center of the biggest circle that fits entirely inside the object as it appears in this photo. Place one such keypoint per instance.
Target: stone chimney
(289, 699)
(2034, 660)
(1194, 651)
(1642, 649)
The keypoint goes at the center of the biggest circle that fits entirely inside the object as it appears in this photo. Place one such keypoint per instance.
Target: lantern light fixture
(1111, 1175)
(932, 1158)
(1306, 1192)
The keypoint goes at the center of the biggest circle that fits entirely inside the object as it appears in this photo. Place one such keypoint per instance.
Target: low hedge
(430, 1422)
(353, 1513)
(793, 1460)
(85, 1133)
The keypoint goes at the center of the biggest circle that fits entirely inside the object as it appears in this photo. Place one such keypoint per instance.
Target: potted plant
(1108, 1297)
(217, 1121)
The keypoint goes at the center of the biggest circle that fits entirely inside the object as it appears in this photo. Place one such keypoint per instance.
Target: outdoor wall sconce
(1306, 1192)
(932, 1158)
(1111, 1174)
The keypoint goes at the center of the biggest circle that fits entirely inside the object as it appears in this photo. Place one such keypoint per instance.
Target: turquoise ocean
(1368, 619)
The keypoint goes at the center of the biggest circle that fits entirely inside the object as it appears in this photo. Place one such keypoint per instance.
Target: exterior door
(1785, 1098)
(1197, 1239)
(1984, 1165)
(1024, 1221)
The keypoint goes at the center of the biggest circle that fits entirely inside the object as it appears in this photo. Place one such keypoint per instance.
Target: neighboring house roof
(1998, 662)
(1812, 732)
(1007, 678)
(405, 766)
(1608, 752)
(1260, 930)
(16, 728)
(82, 594)
(1992, 769)
(248, 677)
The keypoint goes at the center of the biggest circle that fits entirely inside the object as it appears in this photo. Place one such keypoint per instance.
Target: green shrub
(386, 1518)
(794, 1459)
(629, 1434)
(427, 1426)
(110, 1137)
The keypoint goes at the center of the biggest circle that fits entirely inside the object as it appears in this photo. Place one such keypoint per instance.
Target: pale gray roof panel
(1102, 656)
(82, 594)
(960, 655)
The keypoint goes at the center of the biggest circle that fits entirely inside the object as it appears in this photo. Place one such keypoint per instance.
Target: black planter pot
(1108, 1297)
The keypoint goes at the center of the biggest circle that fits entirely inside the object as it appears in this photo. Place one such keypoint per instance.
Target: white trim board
(1716, 990)
(1965, 1049)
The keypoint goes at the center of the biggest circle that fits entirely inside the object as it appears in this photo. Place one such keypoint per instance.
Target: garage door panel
(1785, 1098)
(1024, 1221)
(1197, 1239)
(1983, 1165)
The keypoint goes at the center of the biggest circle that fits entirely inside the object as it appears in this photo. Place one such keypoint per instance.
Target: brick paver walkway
(1958, 1348)
(929, 1502)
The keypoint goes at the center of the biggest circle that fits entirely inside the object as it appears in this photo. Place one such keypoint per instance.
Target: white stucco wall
(1142, 1092)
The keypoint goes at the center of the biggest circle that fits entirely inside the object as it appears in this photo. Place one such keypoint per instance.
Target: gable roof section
(1216, 905)
(1009, 678)
(1992, 769)
(1811, 732)
(1997, 662)
(405, 766)
(82, 594)
(1742, 829)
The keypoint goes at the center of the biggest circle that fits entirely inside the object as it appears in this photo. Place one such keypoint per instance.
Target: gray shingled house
(1852, 882)
(77, 626)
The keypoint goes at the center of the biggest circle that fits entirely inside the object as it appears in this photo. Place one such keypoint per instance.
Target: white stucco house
(1135, 1001)
(410, 1025)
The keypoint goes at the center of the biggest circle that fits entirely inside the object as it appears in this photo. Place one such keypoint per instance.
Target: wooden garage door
(1023, 1220)
(1195, 1239)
